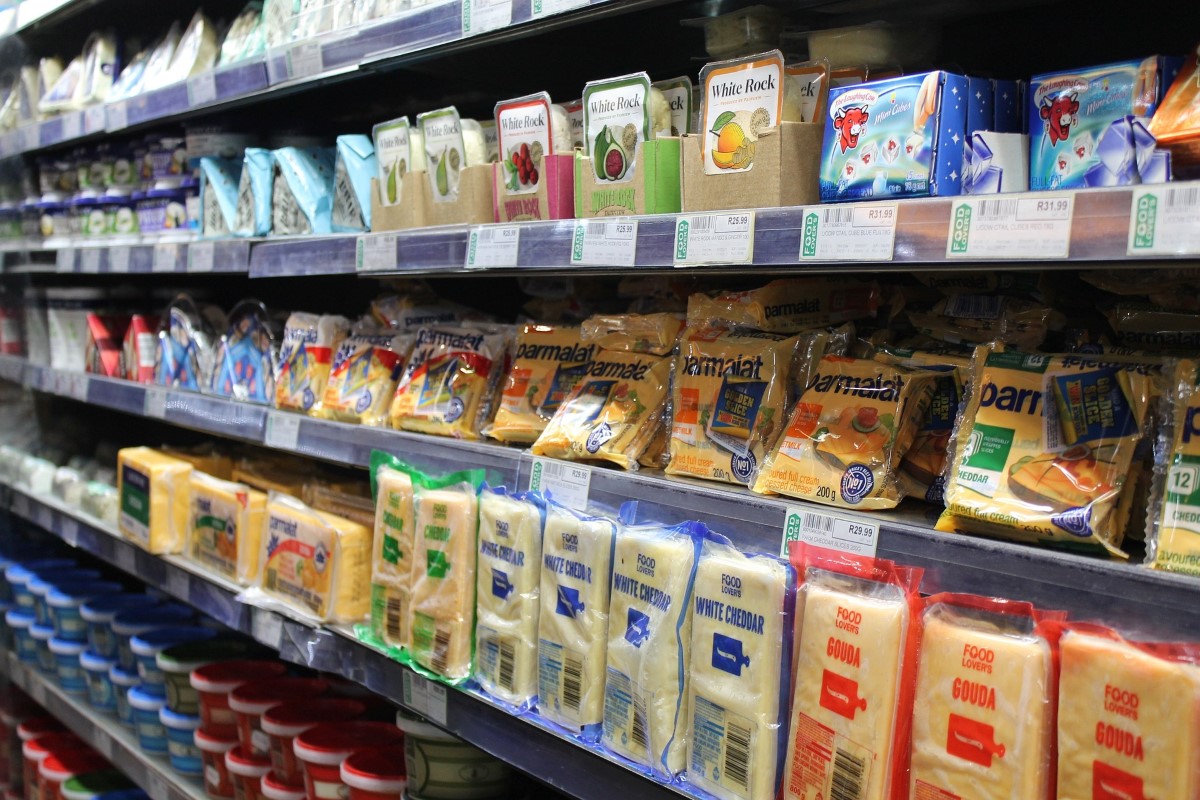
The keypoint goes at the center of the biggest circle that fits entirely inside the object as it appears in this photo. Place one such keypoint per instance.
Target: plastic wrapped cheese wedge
(366, 368)
(305, 358)
(255, 189)
(302, 192)
(576, 572)
(855, 663)
(984, 705)
(1128, 717)
(646, 687)
(224, 531)
(186, 346)
(508, 588)
(548, 363)
(154, 499)
(742, 630)
(353, 170)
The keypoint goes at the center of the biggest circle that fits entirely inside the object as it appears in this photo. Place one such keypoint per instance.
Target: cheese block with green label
(154, 499)
(224, 531)
(392, 555)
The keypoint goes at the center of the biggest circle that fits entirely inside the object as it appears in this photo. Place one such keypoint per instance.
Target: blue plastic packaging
(127, 624)
(152, 736)
(40, 586)
(19, 621)
(65, 603)
(66, 665)
(356, 166)
(42, 634)
(218, 195)
(303, 204)
(122, 681)
(253, 217)
(18, 576)
(245, 365)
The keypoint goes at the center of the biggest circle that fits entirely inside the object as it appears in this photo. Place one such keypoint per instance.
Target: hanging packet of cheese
(1147, 326)
(576, 577)
(153, 488)
(305, 357)
(790, 305)
(854, 668)
(1043, 447)
(549, 361)
(362, 380)
(450, 380)
(652, 334)
(245, 361)
(1173, 540)
(507, 591)
(983, 719)
(846, 436)
(1128, 717)
(979, 318)
(729, 399)
(186, 349)
(742, 629)
(224, 530)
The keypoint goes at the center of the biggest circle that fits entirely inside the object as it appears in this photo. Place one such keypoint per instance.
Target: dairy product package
(491, 135)
(139, 349)
(618, 115)
(204, 457)
(449, 383)
(528, 130)
(186, 351)
(245, 361)
(1043, 447)
(854, 674)
(392, 555)
(508, 594)
(102, 351)
(983, 719)
(740, 672)
(576, 578)
(410, 312)
(245, 35)
(789, 305)
(362, 379)
(575, 120)
(197, 50)
(652, 334)
(742, 97)
(129, 80)
(255, 187)
(392, 158)
(90, 83)
(271, 476)
(153, 489)
(305, 358)
(218, 195)
(806, 91)
(154, 75)
(351, 500)
(678, 92)
(548, 362)
(352, 173)
(302, 191)
(979, 319)
(646, 688)
(445, 153)
(224, 530)
(1128, 717)
(1173, 536)
(1142, 325)
(1176, 122)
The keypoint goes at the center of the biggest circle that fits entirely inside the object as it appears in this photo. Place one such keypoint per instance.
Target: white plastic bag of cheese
(742, 627)
(576, 572)
(507, 590)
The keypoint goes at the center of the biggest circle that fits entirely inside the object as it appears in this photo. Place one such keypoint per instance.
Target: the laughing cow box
(900, 137)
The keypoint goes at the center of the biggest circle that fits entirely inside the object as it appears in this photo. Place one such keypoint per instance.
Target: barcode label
(1183, 196)
(819, 523)
(493, 246)
(391, 619)
(848, 771)
(1033, 226)
(595, 227)
(737, 755)
(994, 208)
(974, 306)
(572, 682)
(376, 253)
(838, 215)
(605, 243)
(831, 531)
(568, 484)
(440, 655)
(637, 728)
(424, 697)
(865, 232)
(506, 668)
(722, 238)
(1164, 221)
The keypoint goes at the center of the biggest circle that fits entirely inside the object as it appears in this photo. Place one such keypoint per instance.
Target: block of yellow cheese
(153, 489)
(392, 556)
(224, 531)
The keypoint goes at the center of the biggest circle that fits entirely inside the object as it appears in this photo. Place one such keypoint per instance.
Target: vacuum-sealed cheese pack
(1173, 542)
(362, 380)
(305, 358)
(550, 360)
(153, 488)
(653, 334)
(847, 434)
(855, 662)
(976, 319)
(224, 531)
(244, 369)
(392, 555)
(789, 305)
(729, 399)
(1043, 448)
(742, 629)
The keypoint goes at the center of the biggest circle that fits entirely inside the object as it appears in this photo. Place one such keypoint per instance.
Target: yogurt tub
(99, 684)
(163, 209)
(182, 752)
(19, 622)
(444, 767)
(213, 745)
(94, 785)
(152, 736)
(32, 728)
(34, 751)
(6, 640)
(42, 634)
(127, 624)
(66, 659)
(18, 576)
(53, 211)
(58, 768)
(65, 603)
(122, 681)
(176, 663)
(321, 751)
(249, 701)
(246, 771)
(214, 682)
(275, 789)
(165, 157)
(120, 213)
(41, 586)
(88, 209)
(191, 203)
(375, 774)
(283, 723)
(98, 614)
(146, 647)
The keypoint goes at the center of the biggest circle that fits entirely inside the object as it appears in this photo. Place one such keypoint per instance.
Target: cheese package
(550, 360)
(1128, 717)
(186, 349)
(730, 394)
(450, 381)
(392, 556)
(1043, 447)
(653, 334)
(649, 641)
(139, 351)
(576, 577)
(314, 562)
(742, 98)
(305, 357)
(271, 477)
(790, 305)
(224, 531)
(508, 586)
(245, 361)
(855, 662)
(349, 501)
(205, 457)
(154, 499)
(742, 629)
(846, 436)
(977, 319)
(362, 380)
(302, 191)
(1173, 542)
(983, 720)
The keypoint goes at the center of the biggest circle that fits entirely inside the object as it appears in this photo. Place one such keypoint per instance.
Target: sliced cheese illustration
(224, 531)
(392, 556)
(153, 488)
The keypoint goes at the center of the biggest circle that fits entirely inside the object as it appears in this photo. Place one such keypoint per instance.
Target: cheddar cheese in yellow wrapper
(548, 363)
(1174, 541)
(305, 358)
(847, 434)
(366, 368)
(225, 521)
(789, 305)
(976, 319)
(653, 334)
(1043, 449)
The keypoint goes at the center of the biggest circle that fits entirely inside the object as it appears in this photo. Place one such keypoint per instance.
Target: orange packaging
(1176, 123)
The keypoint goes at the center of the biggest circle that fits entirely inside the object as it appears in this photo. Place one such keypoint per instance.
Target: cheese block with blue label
(153, 489)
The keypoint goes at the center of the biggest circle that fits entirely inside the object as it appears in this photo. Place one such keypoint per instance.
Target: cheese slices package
(729, 397)
(450, 380)
(649, 641)
(410, 312)
(245, 360)
(653, 334)
(983, 719)
(1128, 717)
(1173, 540)
(742, 629)
(224, 530)
(548, 362)
(847, 434)
(508, 590)
(153, 489)
(1043, 447)
(362, 379)
(977, 319)
(576, 577)
(305, 358)
(186, 347)
(789, 305)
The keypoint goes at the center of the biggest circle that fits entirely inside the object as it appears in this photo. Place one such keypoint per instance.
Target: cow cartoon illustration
(1059, 114)
(850, 122)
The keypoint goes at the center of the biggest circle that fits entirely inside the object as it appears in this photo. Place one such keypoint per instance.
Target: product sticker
(616, 118)
(1164, 221)
(445, 154)
(848, 233)
(742, 98)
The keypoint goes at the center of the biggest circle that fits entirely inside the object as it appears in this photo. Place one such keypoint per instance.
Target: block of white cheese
(649, 641)
(982, 714)
(508, 585)
(154, 499)
(443, 591)
(392, 555)
(741, 640)
(224, 530)
(577, 557)
(1128, 721)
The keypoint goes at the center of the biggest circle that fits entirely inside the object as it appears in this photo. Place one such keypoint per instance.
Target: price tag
(201, 256)
(266, 627)
(848, 233)
(829, 531)
(177, 583)
(425, 697)
(567, 483)
(375, 253)
(157, 786)
(1165, 221)
(723, 238)
(118, 116)
(29, 137)
(480, 16)
(604, 243)
(165, 257)
(102, 742)
(20, 506)
(304, 60)
(72, 125)
(1024, 227)
(544, 8)
(283, 430)
(95, 119)
(64, 260)
(118, 259)
(493, 246)
(89, 259)
(154, 403)
(74, 385)
(202, 89)
(43, 517)
(37, 689)
(69, 531)
(126, 558)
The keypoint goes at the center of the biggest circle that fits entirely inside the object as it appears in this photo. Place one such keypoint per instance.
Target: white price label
(127, 558)
(425, 697)
(102, 742)
(64, 260)
(166, 256)
(480, 16)
(29, 137)
(568, 483)
(304, 60)
(69, 531)
(544, 8)
(848, 233)
(266, 627)
(283, 430)
(201, 256)
(178, 582)
(723, 238)
(1165, 221)
(43, 517)
(493, 246)
(118, 259)
(74, 385)
(20, 506)
(72, 125)
(202, 89)
(94, 119)
(830, 531)
(154, 403)
(89, 259)
(376, 253)
(118, 116)
(157, 787)
(1025, 227)
(604, 243)
(37, 689)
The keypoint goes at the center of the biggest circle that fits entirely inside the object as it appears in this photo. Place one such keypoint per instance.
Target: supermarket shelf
(148, 256)
(104, 733)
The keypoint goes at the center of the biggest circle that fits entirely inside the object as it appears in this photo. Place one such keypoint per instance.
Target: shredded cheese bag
(224, 532)
(362, 380)
(789, 305)
(1043, 448)
(846, 436)
(550, 360)
(305, 358)
(1174, 543)
(730, 396)
(653, 334)
(153, 489)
